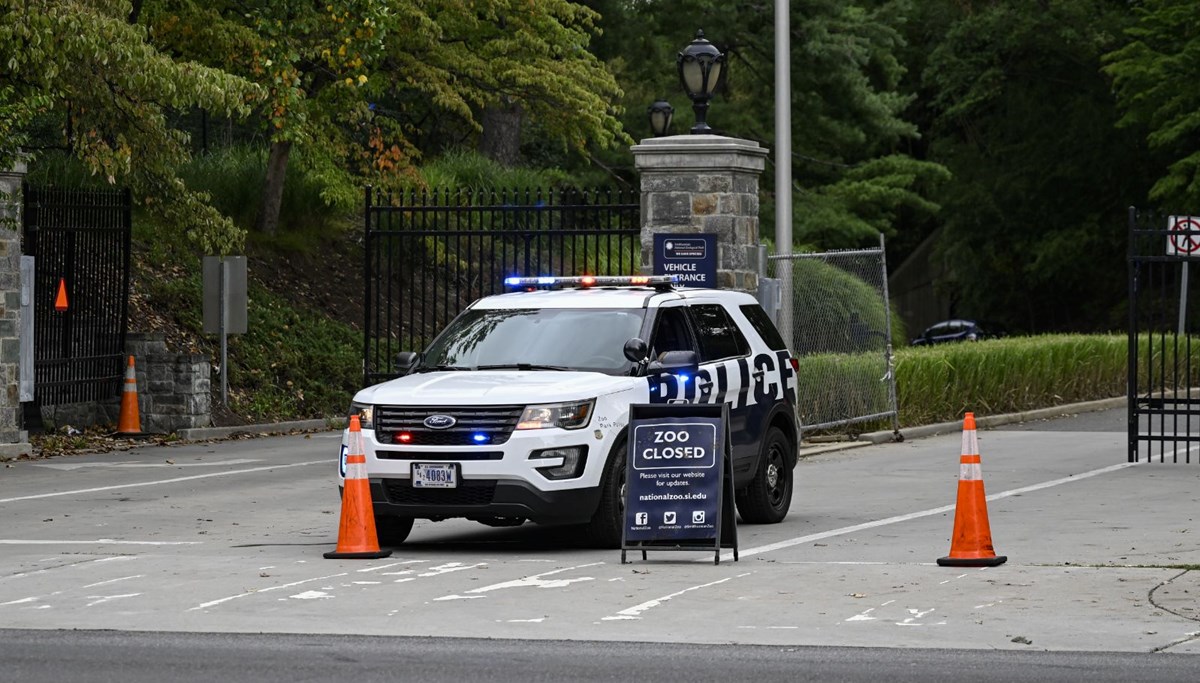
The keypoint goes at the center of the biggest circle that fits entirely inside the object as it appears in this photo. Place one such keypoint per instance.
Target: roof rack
(659, 282)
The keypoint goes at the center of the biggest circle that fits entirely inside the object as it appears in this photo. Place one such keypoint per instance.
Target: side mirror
(678, 363)
(636, 350)
(405, 362)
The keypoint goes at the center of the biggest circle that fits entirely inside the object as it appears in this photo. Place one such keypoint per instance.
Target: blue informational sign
(692, 258)
(674, 479)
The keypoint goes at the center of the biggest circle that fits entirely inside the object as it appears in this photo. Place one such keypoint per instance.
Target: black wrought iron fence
(1164, 347)
(80, 241)
(429, 254)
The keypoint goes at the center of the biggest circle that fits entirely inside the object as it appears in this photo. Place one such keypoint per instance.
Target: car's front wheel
(769, 496)
(604, 529)
(392, 531)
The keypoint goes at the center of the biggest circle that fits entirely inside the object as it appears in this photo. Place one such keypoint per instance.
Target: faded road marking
(633, 612)
(174, 480)
(534, 581)
(256, 591)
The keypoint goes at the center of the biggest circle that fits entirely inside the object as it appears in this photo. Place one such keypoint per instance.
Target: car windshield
(591, 339)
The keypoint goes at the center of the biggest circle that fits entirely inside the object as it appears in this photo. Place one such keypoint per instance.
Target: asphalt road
(105, 657)
(167, 544)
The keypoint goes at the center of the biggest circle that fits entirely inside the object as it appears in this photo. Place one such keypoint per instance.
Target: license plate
(427, 476)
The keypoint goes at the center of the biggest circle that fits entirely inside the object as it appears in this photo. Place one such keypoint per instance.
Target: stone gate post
(13, 441)
(703, 184)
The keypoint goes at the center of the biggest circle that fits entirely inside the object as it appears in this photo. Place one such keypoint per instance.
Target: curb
(996, 420)
(206, 433)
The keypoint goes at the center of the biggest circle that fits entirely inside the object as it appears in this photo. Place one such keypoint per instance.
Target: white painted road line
(633, 612)
(256, 591)
(534, 581)
(175, 480)
(133, 464)
(770, 547)
(98, 541)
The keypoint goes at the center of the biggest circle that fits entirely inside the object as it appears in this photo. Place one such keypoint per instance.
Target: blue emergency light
(585, 281)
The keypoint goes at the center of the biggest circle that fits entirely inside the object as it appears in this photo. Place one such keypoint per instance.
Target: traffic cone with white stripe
(357, 539)
(129, 422)
(971, 543)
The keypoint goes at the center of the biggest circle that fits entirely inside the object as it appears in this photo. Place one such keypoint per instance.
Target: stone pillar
(13, 441)
(174, 389)
(704, 184)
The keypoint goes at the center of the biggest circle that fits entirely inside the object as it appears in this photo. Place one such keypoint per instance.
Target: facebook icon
(641, 518)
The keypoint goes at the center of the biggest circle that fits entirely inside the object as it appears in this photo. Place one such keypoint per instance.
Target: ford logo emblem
(440, 422)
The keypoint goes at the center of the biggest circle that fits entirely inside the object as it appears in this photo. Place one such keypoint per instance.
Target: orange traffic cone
(356, 533)
(971, 544)
(130, 421)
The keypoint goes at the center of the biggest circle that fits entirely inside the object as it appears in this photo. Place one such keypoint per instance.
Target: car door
(724, 362)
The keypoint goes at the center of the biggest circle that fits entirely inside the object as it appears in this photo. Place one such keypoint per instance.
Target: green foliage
(79, 77)
(1034, 231)
(828, 302)
(852, 177)
(234, 178)
(1154, 78)
(290, 364)
(468, 170)
(353, 83)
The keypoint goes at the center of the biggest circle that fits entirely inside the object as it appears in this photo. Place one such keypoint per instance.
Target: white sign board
(1184, 239)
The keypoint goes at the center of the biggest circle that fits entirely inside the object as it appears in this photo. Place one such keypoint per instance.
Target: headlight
(563, 415)
(365, 413)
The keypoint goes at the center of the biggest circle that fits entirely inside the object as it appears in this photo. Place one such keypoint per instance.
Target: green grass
(940, 383)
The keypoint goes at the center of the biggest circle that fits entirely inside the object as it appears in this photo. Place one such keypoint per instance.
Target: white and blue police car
(517, 411)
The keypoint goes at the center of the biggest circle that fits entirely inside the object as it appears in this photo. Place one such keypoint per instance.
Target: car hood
(493, 387)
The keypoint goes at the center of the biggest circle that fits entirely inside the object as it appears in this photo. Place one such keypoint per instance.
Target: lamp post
(700, 65)
(660, 117)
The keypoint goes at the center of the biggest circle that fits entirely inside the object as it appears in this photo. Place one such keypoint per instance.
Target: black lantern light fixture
(700, 66)
(660, 117)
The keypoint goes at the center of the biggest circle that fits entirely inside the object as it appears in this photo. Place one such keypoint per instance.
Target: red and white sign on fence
(1184, 239)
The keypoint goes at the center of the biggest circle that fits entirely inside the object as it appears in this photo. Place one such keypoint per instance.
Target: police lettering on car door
(769, 378)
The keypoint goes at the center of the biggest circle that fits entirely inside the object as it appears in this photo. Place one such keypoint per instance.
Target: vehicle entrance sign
(678, 493)
(690, 258)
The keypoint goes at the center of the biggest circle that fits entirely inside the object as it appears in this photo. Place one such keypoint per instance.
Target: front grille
(468, 492)
(495, 422)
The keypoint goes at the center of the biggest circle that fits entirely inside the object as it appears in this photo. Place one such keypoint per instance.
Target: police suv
(518, 409)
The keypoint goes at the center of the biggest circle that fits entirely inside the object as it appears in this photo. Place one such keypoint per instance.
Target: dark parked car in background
(956, 331)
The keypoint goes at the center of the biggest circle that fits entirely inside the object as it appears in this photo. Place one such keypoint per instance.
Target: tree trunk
(272, 196)
(501, 140)
(135, 11)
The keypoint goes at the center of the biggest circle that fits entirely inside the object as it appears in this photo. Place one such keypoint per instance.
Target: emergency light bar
(584, 281)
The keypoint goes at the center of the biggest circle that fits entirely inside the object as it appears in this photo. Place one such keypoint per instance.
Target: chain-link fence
(834, 313)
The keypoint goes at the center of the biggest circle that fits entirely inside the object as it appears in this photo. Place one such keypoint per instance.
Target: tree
(1021, 114)
(353, 82)
(80, 78)
(853, 178)
(1155, 81)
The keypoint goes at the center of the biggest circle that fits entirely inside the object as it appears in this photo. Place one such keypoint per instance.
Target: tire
(392, 531)
(769, 496)
(604, 529)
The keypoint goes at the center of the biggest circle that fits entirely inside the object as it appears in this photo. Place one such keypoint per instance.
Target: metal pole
(1183, 293)
(783, 163)
(222, 297)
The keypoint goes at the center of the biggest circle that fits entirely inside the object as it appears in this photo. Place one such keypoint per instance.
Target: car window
(719, 336)
(671, 332)
(585, 339)
(761, 322)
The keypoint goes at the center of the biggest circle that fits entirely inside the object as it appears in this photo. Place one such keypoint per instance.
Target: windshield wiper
(439, 368)
(522, 366)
